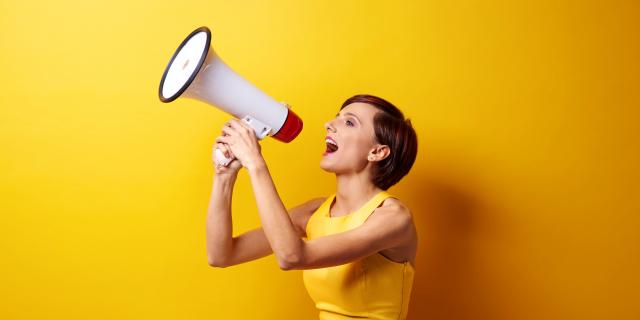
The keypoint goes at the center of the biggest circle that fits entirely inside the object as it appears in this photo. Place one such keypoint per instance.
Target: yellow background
(525, 192)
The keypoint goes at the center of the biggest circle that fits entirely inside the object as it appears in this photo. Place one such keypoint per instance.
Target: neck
(353, 190)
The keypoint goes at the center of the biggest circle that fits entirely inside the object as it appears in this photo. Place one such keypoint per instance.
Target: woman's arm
(219, 224)
(223, 250)
(279, 229)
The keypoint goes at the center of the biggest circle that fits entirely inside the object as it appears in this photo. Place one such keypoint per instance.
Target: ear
(378, 153)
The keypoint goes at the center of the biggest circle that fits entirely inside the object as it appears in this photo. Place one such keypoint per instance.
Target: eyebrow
(350, 114)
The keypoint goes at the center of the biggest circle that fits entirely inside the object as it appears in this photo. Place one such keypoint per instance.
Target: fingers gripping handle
(260, 129)
(219, 159)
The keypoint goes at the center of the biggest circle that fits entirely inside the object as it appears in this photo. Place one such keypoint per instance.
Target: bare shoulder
(394, 216)
(301, 213)
(392, 207)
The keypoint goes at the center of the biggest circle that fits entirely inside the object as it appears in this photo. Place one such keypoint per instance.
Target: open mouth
(332, 146)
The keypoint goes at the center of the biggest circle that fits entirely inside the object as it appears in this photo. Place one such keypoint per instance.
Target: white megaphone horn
(195, 71)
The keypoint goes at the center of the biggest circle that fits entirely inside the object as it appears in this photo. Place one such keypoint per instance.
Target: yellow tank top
(373, 287)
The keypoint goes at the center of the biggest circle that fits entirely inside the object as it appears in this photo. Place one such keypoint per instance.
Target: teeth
(330, 141)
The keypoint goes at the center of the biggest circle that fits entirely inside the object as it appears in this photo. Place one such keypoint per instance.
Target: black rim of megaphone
(196, 70)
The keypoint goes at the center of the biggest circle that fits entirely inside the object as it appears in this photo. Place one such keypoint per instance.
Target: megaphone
(195, 71)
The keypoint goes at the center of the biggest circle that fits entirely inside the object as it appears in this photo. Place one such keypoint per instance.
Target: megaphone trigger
(260, 129)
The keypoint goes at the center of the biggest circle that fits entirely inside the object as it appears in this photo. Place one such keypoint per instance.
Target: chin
(332, 164)
(325, 166)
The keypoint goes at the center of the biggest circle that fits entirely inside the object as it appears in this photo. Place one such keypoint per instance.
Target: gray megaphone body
(195, 71)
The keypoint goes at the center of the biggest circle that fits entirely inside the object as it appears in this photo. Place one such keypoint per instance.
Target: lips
(332, 145)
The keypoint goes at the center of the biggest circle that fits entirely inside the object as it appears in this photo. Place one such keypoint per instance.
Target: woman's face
(353, 134)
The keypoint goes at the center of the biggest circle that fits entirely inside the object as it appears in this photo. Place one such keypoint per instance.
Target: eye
(348, 122)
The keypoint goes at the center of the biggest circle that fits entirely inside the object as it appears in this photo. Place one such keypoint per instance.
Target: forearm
(219, 223)
(276, 223)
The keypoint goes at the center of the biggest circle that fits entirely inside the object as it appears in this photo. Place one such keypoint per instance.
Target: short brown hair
(393, 130)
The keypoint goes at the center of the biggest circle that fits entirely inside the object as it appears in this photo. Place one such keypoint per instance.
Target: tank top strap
(315, 227)
(323, 209)
(368, 208)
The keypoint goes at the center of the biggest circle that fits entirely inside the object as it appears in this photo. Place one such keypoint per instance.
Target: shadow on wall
(448, 282)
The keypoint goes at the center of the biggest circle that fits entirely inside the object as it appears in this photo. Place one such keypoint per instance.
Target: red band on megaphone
(290, 129)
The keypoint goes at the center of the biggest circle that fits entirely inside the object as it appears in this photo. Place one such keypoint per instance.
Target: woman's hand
(233, 167)
(240, 138)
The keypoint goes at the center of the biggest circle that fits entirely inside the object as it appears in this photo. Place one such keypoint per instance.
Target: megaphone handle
(220, 159)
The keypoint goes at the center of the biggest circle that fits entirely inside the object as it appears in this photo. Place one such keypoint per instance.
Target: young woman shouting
(356, 247)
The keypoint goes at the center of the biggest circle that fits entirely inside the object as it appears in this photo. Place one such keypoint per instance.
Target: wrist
(225, 177)
(256, 165)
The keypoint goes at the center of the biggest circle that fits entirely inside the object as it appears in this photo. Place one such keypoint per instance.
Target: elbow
(219, 258)
(218, 263)
(290, 261)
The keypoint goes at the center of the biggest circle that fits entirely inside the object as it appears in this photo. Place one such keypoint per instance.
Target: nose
(329, 126)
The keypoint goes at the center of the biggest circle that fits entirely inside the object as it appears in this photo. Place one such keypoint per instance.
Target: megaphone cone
(195, 71)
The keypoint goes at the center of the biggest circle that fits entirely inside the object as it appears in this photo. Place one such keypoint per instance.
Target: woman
(358, 257)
